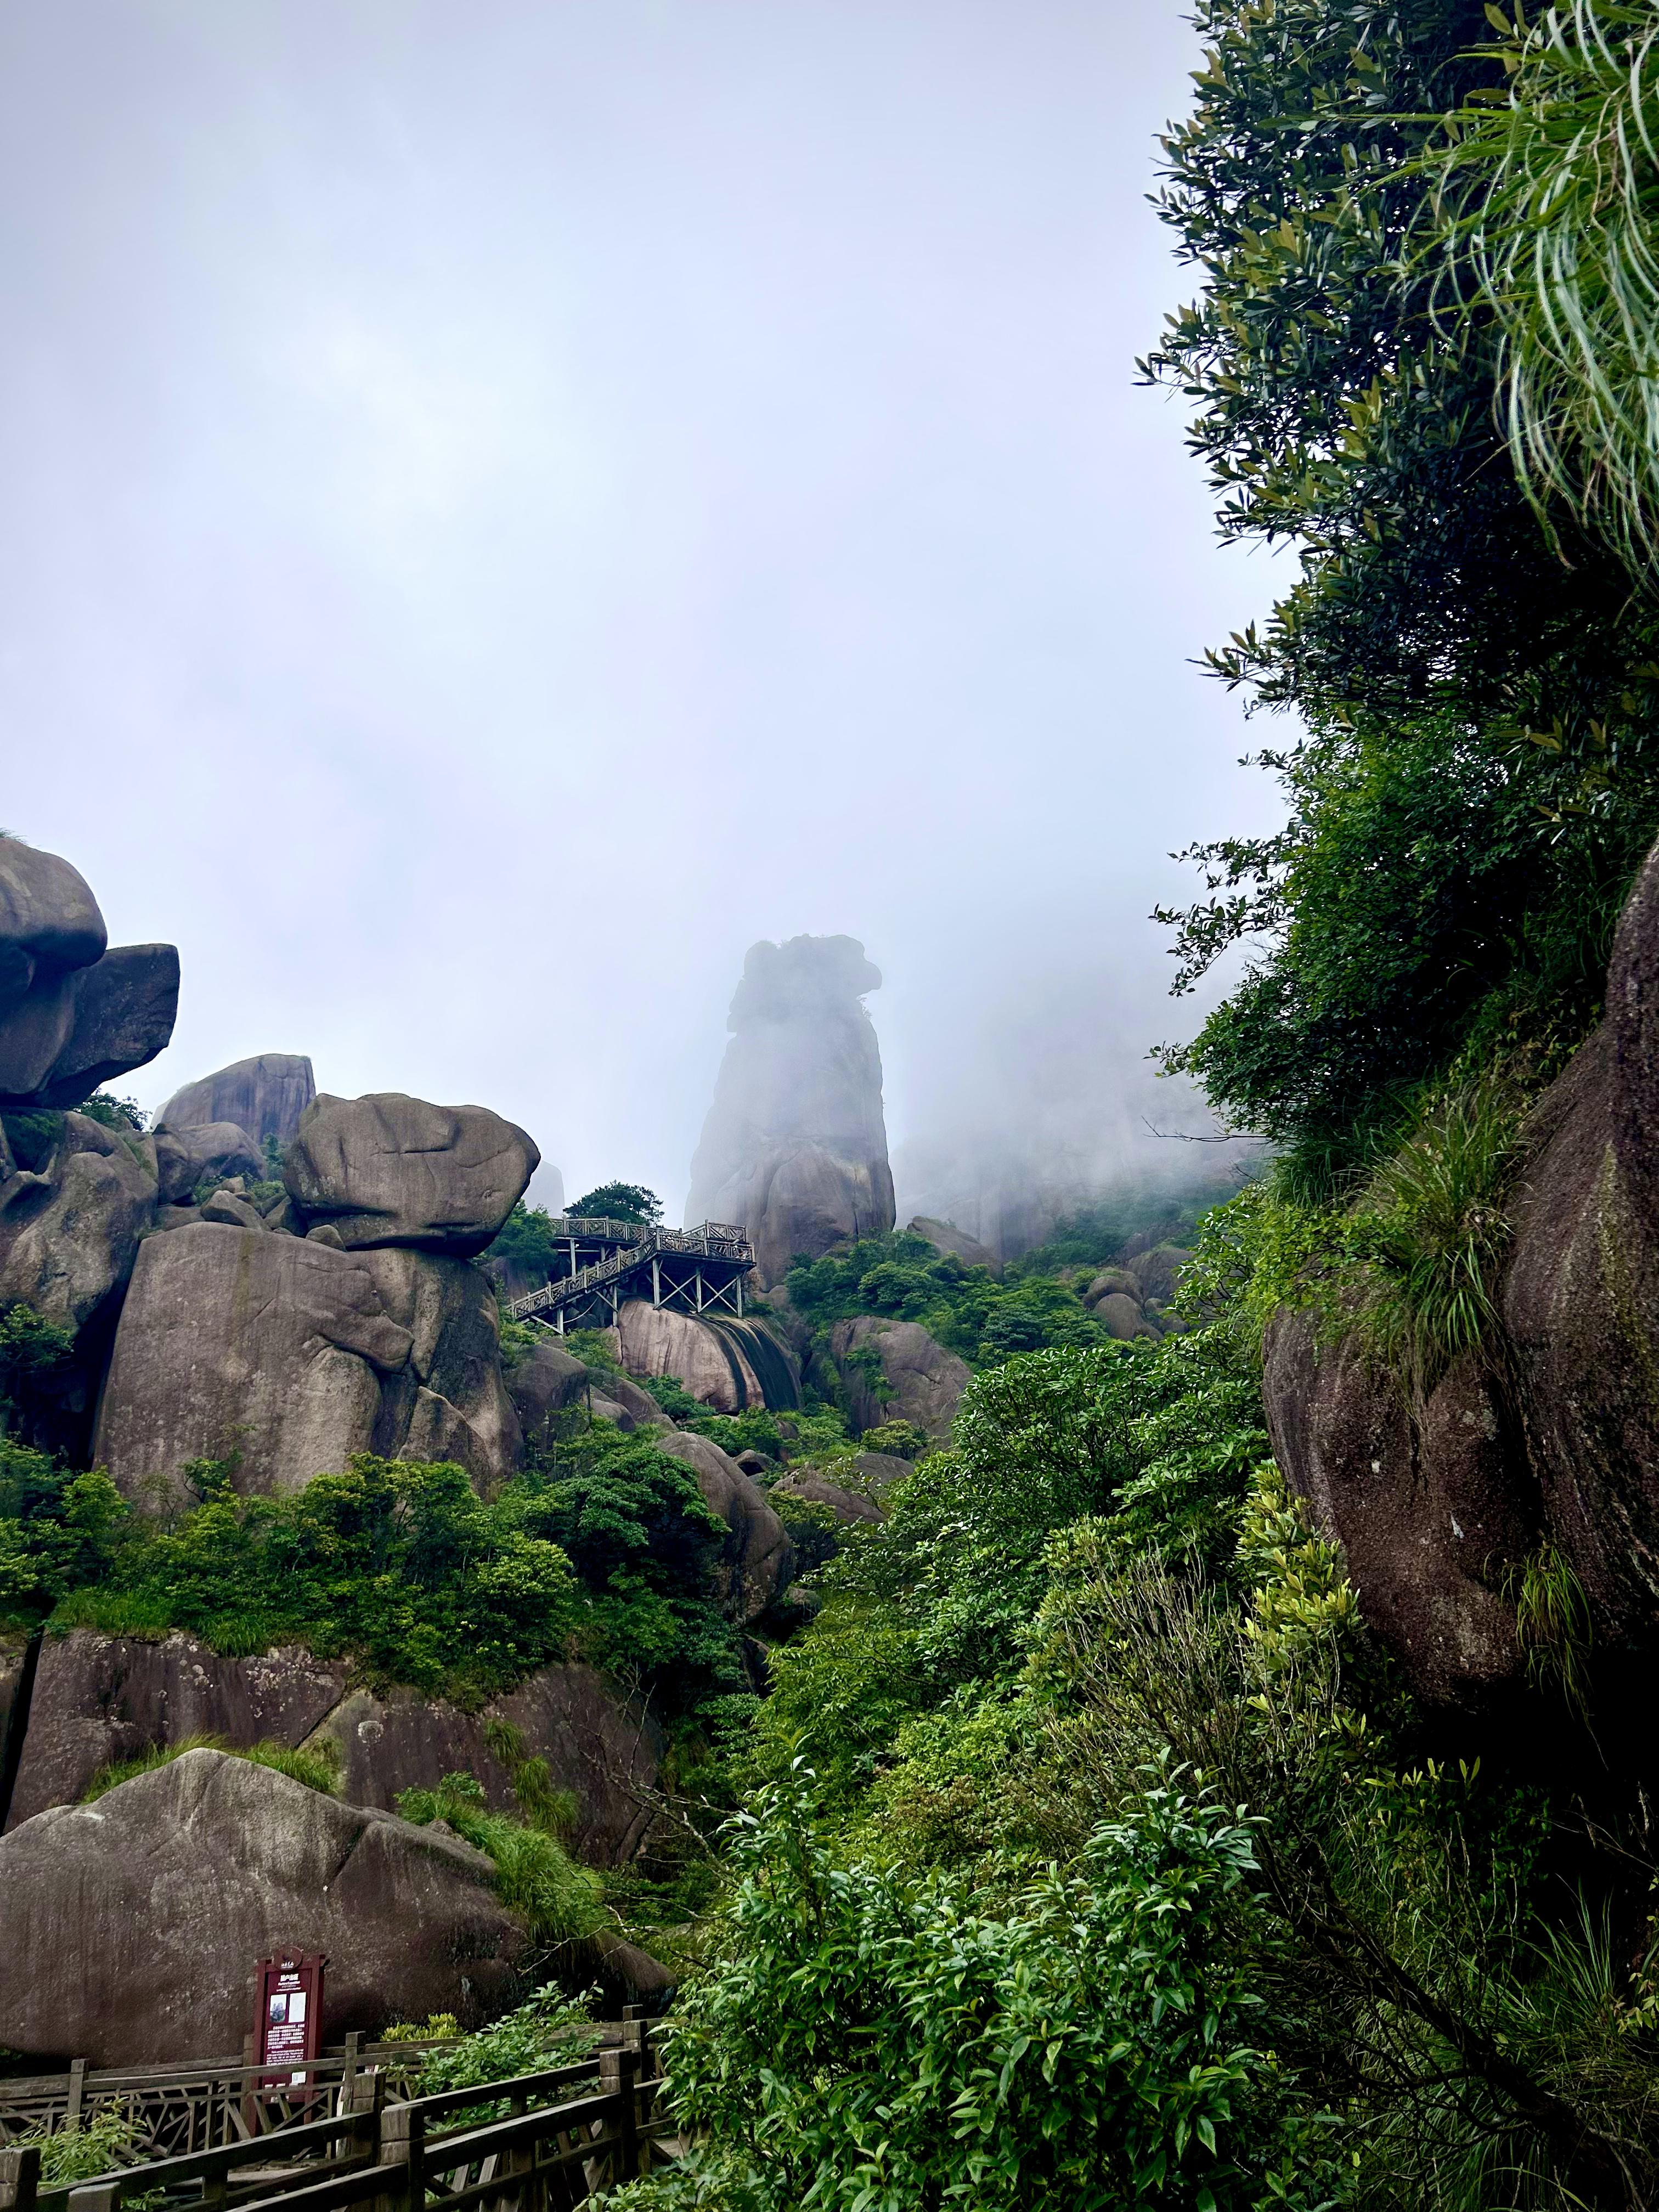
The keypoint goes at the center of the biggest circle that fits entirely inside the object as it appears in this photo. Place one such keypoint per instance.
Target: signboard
(288, 2026)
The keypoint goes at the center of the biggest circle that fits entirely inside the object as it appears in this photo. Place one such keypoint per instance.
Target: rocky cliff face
(795, 1146)
(1549, 1438)
(895, 1371)
(100, 1699)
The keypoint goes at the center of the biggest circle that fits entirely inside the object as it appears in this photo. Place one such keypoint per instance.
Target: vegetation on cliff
(1095, 1664)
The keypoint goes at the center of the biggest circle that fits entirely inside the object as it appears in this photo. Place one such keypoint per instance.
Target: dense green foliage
(965, 1308)
(528, 1241)
(397, 1563)
(877, 2039)
(634, 1527)
(399, 1567)
(1548, 202)
(1083, 1638)
(113, 1112)
(1477, 778)
(551, 2030)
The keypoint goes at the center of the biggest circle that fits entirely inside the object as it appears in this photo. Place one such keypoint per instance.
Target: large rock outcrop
(73, 1015)
(100, 1699)
(1581, 1301)
(391, 1170)
(297, 1354)
(604, 1753)
(128, 1926)
(757, 1561)
(795, 1146)
(919, 1381)
(1426, 1508)
(1555, 1442)
(70, 1233)
(710, 1362)
(266, 1096)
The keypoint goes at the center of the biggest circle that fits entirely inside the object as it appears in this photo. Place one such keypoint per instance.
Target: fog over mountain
(507, 506)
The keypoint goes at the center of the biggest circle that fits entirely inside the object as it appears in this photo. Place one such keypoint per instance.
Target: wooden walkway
(695, 1270)
(566, 2134)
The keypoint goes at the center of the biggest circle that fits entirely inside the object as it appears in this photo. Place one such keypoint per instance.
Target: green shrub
(549, 2030)
(672, 1394)
(905, 1278)
(397, 1563)
(113, 1112)
(874, 2038)
(1432, 1233)
(113, 2137)
(434, 2026)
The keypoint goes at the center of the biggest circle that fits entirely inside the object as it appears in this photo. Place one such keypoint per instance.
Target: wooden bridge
(348, 2134)
(692, 1270)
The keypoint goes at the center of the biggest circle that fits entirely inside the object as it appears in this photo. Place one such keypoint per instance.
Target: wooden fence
(177, 2109)
(551, 2150)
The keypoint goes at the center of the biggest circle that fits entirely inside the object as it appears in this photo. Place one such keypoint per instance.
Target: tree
(619, 1202)
(1480, 777)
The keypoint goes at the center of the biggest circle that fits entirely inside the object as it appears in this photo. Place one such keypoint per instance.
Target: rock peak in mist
(795, 1145)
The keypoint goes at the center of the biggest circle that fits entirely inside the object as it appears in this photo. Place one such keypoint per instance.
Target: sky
(508, 504)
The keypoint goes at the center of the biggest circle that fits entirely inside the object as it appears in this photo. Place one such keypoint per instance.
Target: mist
(509, 506)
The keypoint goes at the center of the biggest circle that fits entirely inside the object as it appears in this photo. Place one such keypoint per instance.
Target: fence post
(402, 2143)
(366, 2092)
(617, 2073)
(348, 2074)
(216, 2185)
(20, 2179)
(96, 2197)
(77, 2083)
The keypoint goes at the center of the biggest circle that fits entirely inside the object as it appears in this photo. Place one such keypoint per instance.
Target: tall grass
(1432, 1232)
(1547, 198)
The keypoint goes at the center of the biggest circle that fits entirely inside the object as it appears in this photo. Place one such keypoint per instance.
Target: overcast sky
(506, 503)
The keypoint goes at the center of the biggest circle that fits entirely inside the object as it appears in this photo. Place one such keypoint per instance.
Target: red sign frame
(288, 2017)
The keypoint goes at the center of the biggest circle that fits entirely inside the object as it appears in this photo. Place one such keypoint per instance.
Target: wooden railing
(550, 2151)
(715, 1240)
(181, 2108)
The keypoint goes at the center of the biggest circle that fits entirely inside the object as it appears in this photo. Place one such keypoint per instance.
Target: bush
(633, 1524)
(397, 1563)
(904, 1278)
(870, 2038)
(549, 2030)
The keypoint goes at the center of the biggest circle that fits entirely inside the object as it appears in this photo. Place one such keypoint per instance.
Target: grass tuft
(317, 1766)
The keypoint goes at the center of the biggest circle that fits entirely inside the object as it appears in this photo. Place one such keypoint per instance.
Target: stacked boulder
(75, 1195)
(348, 1317)
(266, 1096)
(1131, 1299)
